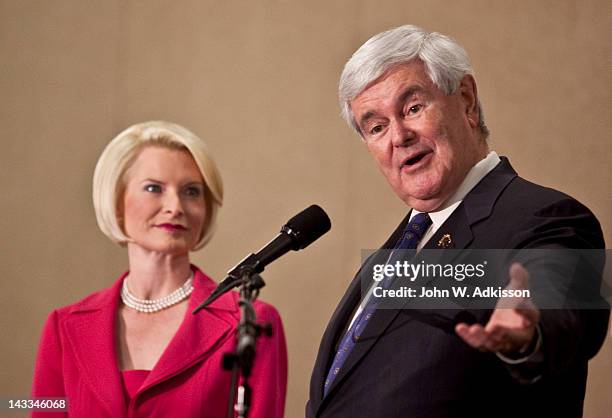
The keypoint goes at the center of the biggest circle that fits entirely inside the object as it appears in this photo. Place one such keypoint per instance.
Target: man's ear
(469, 95)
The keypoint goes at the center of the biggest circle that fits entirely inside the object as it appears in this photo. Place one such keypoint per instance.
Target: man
(412, 97)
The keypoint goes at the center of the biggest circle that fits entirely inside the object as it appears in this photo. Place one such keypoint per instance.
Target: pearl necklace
(156, 305)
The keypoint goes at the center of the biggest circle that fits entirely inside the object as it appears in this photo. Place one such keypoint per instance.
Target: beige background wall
(257, 80)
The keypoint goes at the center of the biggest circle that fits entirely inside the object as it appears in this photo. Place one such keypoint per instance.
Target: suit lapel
(456, 231)
(199, 334)
(476, 206)
(90, 333)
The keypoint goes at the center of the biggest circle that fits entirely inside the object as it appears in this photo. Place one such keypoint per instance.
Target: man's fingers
(519, 277)
(512, 324)
(519, 280)
(474, 335)
(496, 336)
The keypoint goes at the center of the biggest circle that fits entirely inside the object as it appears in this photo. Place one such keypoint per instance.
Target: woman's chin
(168, 248)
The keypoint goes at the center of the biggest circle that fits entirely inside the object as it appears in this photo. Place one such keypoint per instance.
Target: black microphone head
(307, 226)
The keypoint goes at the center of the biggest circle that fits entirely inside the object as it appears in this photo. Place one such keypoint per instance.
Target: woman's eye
(193, 191)
(153, 188)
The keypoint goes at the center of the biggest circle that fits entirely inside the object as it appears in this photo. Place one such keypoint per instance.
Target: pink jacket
(77, 359)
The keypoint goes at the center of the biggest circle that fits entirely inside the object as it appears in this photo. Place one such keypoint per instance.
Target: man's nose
(401, 132)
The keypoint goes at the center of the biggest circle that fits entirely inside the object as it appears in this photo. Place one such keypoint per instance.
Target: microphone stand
(241, 361)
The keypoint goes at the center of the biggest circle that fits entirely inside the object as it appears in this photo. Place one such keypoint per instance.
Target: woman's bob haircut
(121, 152)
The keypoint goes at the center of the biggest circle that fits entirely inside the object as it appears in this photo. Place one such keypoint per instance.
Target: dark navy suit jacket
(412, 364)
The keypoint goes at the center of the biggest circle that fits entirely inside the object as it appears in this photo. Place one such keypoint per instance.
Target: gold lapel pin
(446, 241)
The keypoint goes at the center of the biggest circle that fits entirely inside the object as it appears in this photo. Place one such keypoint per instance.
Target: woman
(135, 349)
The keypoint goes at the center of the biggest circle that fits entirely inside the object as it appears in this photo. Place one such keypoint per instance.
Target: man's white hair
(446, 63)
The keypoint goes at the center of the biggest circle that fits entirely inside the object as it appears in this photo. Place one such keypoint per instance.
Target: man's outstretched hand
(512, 325)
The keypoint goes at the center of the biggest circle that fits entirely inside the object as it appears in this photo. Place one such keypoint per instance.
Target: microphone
(298, 233)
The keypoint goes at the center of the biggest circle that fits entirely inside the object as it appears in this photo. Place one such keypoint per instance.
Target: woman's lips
(172, 227)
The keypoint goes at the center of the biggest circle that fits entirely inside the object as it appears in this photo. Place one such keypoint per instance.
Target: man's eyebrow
(366, 117)
(410, 91)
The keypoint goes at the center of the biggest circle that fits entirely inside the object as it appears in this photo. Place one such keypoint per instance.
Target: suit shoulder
(91, 301)
(543, 201)
(538, 211)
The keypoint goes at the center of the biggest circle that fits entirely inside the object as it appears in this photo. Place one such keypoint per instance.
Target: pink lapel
(199, 334)
(90, 331)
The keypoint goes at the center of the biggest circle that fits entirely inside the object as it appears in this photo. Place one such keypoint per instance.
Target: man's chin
(424, 203)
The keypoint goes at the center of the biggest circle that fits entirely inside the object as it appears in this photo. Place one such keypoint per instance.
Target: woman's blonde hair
(120, 153)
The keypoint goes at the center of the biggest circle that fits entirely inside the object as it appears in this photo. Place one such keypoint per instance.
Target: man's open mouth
(416, 159)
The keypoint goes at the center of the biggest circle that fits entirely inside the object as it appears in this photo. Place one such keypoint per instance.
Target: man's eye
(153, 188)
(376, 129)
(193, 192)
(415, 109)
